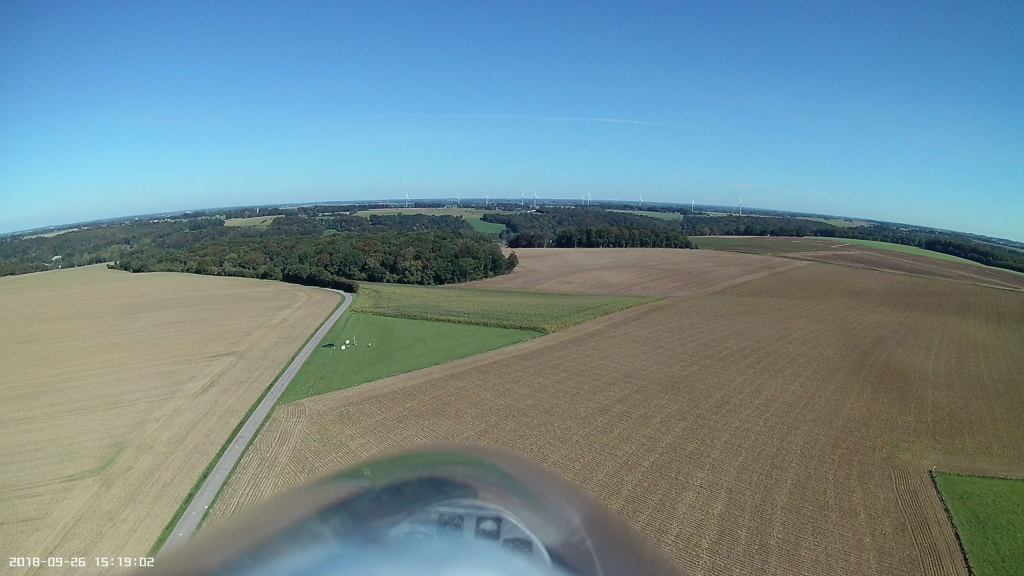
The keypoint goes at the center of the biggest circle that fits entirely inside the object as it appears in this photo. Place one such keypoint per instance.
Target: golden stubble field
(118, 389)
(768, 416)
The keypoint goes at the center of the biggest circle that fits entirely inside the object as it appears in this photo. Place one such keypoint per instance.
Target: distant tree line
(954, 244)
(586, 228)
(614, 237)
(415, 249)
(101, 243)
(335, 261)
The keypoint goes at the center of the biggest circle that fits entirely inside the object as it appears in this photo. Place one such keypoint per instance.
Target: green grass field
(540, 311)
(473, 217)
(905, 250)
(381, 346)
(989, 517)
(254, 222)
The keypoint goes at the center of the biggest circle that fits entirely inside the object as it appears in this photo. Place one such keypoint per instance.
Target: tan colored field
(637, 271)
(253, 222)
(886, 260)
(764, 418)
(118, 389)
(837, 251)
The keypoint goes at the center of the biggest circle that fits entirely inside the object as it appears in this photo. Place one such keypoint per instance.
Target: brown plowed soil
(885, 260)
(635, 271)
(764, 418)
(938, 549)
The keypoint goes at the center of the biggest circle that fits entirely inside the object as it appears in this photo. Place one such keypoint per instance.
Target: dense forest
(587, 228)
(331, 251)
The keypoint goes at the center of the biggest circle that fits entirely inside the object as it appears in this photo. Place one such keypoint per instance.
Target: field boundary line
(808, 257)
(949, 516)
(398, 381)
(937, 553)
(235, 447)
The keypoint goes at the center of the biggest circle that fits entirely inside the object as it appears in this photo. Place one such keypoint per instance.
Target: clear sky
(901, 111)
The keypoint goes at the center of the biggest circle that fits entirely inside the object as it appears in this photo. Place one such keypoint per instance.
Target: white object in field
(346, 341)
(342, 346)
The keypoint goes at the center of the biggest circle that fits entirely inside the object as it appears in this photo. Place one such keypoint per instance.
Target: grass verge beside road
(988, 514)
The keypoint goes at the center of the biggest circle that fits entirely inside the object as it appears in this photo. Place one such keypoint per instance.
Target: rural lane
(189, 521)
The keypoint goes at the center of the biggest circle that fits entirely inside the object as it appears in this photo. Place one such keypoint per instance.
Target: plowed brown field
(770, 416)
(117, 391)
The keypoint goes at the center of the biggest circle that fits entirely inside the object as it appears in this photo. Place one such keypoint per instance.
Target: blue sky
(901, 111)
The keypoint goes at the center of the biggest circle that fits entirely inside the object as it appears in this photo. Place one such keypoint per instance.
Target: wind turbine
(406, 199)
(458, 200)
(522, 198)
(741, 205)
(588, 198)
(693, 207)
(534, 199)
(487, 199)
(583, 201)
(641, 202)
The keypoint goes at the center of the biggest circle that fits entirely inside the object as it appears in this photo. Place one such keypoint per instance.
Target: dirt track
(772, 418)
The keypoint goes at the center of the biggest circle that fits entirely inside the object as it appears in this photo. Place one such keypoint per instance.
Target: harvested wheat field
(635, 271)
(118, 389)
(875, 256)
(769, 416)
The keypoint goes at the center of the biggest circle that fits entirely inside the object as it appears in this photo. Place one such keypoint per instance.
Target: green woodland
(333, 246)
(333, 252)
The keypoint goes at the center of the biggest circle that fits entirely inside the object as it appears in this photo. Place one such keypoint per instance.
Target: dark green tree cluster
(100, 243)
(699, 225)
(398, 222)
(587, 228)
(551, 221)
(425, 257)
(543, 227)
(332, 250)
(614, 237)
(987, 255)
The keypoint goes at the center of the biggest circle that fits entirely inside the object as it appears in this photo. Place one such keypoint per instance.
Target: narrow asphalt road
(189, 521)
